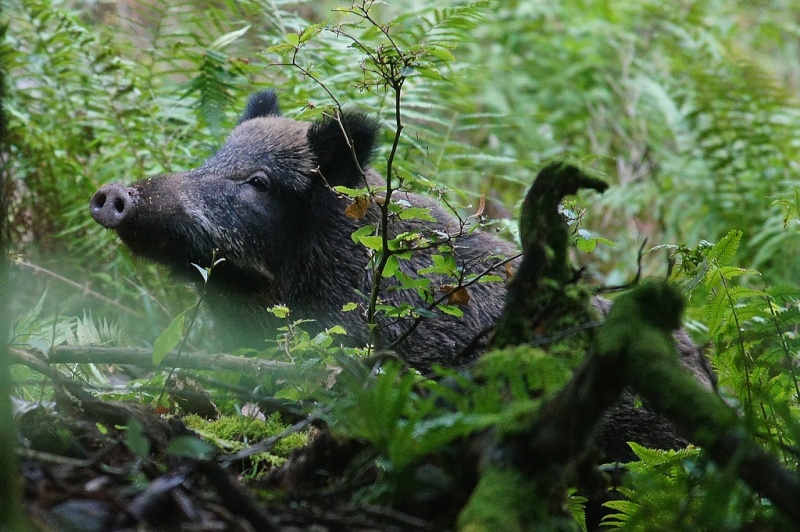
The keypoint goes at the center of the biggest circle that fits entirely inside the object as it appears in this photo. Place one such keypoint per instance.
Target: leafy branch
(386, 67)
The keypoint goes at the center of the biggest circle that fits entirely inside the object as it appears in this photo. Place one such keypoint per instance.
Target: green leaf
(452, 310)
(351, 192)
(203, 271)
(725, 250)
(586, 245)
(279, 311)
(293, 39)
(228, 38)
(425, 313)
(336, 329)
(417, 213)
(576, 504)
(168, 339)
(136, 440)
(190, 447)
(371, 242)
(290, 394)
(310, 32)
(442, 265)
(443, 54)
(359, 233)
(279, 48)
(392, 265)
(716, 312)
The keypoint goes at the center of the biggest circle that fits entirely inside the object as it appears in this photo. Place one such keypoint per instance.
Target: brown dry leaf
(509, 272)
(481, 206)
(357, 209)
(333, 371)
(459, 296)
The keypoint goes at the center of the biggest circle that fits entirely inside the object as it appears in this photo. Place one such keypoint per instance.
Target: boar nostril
(111, 205)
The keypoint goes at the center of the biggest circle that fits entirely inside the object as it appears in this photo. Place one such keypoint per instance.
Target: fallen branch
(143, 358)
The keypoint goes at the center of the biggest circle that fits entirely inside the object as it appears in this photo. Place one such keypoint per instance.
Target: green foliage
(750, 326)
(391, 56)
(690, 110)
(171, 337)
(216, 81)
(681, 490)
(135, 438)
(407, 418)
(697, 126)
(190, 447)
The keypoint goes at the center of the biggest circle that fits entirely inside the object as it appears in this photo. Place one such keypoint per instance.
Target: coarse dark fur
(264, 202)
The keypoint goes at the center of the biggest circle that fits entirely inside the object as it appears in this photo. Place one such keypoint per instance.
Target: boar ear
(264, 103)
(334, 155)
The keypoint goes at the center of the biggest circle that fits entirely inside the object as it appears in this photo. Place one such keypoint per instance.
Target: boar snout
(111, 205)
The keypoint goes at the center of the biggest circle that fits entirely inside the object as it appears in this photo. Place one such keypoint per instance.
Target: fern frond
(213, 86)
(724, 251)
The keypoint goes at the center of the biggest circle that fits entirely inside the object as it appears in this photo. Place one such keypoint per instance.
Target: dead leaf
(509, 272)
(357, 209)
(481, 206)
(333, 371)
(458, 296)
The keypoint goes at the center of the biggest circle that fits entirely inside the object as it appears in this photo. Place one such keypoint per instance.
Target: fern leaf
(716, 312)
(725, 250)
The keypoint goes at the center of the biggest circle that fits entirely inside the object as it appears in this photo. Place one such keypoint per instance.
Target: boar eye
(258, 181)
